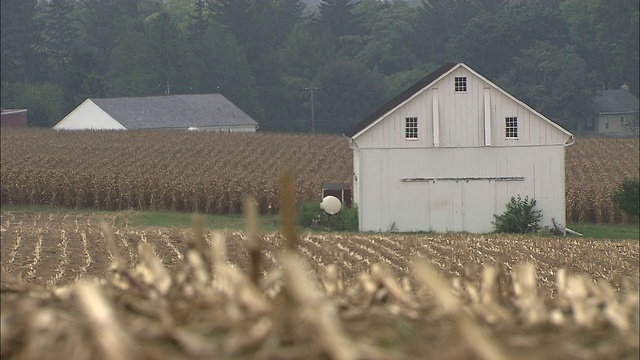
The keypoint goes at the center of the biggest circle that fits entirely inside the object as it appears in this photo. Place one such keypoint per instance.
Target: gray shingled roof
(175, 111)
(616, 101)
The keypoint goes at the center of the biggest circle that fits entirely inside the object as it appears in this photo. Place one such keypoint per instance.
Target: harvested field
(339, 296)
(211, 172)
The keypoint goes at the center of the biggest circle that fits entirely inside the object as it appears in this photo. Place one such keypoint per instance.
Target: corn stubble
(207, 307)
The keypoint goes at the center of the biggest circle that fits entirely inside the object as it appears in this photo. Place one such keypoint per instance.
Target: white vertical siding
(461, 118)
(387, 203)
(88, 116)
(356, 175)
(390, 133)
(487, 116)
(435, 117)
(467, 143)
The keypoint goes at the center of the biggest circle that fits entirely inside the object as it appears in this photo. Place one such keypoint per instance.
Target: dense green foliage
(520, 217)
(270, 56)
(311, 215)
(627, 197)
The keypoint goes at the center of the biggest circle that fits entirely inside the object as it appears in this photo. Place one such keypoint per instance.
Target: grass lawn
(183, 220)
(271, 223)
(612, 232)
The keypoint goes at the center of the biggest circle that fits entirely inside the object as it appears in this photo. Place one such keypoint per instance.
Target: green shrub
(311, 215)
(520, 217)
(626, 197)
(308, 212)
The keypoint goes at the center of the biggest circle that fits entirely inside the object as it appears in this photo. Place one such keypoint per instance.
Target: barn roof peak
(424, 84)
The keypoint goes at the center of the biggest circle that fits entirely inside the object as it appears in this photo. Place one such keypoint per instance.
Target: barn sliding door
(461, 205)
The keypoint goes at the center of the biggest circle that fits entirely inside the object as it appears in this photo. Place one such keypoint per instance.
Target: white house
(212, 112)
(617, 113)
(450, 152)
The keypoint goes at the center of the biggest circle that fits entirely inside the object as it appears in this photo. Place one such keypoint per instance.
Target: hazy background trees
(270, 56)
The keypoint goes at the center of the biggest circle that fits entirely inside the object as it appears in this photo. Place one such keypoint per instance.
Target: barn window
(511, 127)
(411, 128)
(606, 123)
(460, 83)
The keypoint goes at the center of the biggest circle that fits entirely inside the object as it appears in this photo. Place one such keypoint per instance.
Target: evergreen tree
(338, 17)
(385, 44)
(103, 22)
(20, 40)
(347, 92)
(59, 33)
(439, 21)
(491, 40)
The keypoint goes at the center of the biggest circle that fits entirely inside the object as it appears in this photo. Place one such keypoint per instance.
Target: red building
(16, 118)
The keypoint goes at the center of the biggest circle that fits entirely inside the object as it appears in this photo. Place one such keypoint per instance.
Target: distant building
(450, 152)
(15, 118)
(616, 114)
(206, 112)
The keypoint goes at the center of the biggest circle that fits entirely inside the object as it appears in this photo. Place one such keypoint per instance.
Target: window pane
(460, 84)
(411, 128)
(511, 127)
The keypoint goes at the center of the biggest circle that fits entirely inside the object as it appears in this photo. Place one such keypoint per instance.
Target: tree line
(298, 70)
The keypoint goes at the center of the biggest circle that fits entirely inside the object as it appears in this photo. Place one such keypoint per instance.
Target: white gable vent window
(460, 83)
(511, 128)
(411, 128)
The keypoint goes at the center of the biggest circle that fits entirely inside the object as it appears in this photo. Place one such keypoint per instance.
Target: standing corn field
(212, 172)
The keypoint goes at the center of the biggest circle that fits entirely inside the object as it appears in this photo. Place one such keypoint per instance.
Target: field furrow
(31, 264)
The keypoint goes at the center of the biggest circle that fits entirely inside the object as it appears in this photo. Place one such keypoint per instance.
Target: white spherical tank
(331, 205)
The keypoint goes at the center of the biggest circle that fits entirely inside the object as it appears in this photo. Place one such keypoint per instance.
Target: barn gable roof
(398, 100)
(175, 111)
(423, 85)
(616, 102)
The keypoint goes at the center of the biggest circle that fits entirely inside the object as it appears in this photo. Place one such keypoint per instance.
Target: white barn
(450, 152)
(210, 112)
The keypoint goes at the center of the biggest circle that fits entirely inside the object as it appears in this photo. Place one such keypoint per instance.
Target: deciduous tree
(553, 80)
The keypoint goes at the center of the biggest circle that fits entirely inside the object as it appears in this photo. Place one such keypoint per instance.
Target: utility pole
(313, 119)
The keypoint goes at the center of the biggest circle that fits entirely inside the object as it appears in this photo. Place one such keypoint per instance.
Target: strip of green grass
(610, 232)
(183, 220)
(271, 223)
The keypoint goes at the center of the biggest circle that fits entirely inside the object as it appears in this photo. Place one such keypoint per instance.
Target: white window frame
(511, 128)
(460, 84)
(411, 128)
